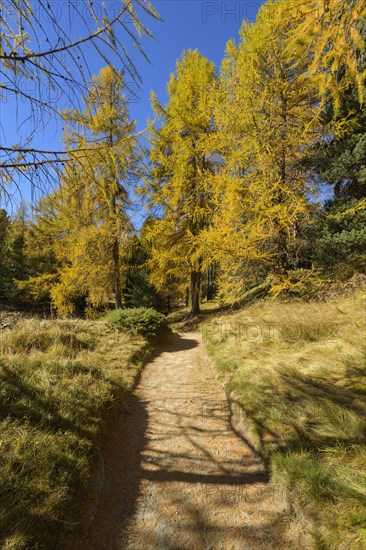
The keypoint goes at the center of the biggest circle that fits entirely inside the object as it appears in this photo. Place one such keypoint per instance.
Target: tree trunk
(187, 297)
(195, 293)
(117, 277)
(282, 263)
(211, 282)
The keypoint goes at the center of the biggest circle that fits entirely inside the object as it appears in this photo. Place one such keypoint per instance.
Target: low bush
(141, 320)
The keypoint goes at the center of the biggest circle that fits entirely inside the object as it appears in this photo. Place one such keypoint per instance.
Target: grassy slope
(59, 383)
(298, 371)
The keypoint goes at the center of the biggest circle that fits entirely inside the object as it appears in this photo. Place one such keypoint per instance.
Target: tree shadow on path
(170, 459)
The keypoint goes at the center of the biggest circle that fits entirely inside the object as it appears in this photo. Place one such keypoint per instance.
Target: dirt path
(177, 477)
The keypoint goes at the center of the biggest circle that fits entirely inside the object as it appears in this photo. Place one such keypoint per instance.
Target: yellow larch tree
(179, 185)
(329, 34)
(88, 216)
(268, 116)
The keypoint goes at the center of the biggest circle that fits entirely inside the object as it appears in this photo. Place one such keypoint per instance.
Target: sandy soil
(176, 475)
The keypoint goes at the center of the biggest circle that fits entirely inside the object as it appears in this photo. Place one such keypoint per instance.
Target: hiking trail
(176, 476)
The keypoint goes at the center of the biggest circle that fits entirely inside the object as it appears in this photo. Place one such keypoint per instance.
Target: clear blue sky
(205, 25)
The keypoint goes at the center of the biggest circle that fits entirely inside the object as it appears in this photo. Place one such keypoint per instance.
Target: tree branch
(14, 57)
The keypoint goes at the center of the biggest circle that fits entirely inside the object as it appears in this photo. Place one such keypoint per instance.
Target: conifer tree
(268, 113)
(4, 255)
(179, 185)
(40, 60)
(42, 236)
(328, 33)
(85, 219)
(14, 261)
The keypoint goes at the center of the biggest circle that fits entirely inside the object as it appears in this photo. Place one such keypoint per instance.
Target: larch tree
(42, 240)
(179, 185)
(86, 215)
(268, 116)
(14, 262)
(328, 33)
(4, 230)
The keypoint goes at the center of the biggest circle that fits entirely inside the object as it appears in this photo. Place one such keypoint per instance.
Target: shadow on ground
(175, 479)
(185, 323)
(115, 486)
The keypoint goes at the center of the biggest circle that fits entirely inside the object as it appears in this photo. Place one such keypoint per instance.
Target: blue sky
(205, 25)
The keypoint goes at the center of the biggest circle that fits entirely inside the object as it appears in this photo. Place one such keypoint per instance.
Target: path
(177, 477)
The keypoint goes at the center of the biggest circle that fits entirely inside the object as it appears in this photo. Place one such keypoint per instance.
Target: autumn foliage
(231, 170)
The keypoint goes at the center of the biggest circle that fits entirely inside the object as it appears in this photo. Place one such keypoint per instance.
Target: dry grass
(59, 383)
(298, 371)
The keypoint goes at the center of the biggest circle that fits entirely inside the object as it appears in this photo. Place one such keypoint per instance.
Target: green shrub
(141, 320)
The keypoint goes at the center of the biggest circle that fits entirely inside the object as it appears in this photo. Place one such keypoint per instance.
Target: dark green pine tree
(340, 235)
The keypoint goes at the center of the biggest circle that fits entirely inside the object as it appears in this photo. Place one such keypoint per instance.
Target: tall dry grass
(299, 373)
(59, 383)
